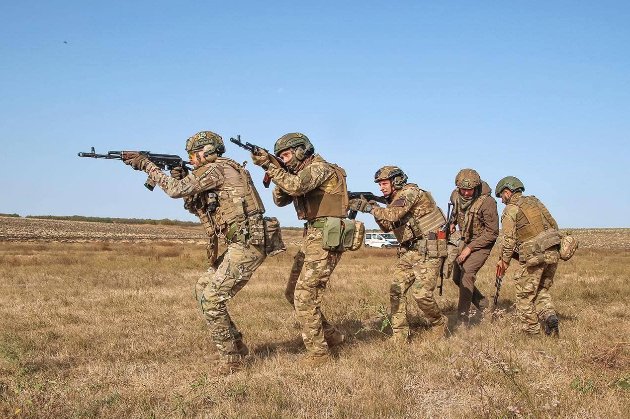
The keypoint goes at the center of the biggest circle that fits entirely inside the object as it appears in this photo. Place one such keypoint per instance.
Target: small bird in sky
(65, 42)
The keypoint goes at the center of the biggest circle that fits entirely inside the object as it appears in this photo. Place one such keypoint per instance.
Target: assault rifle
(366, 195)
(444, 233)
(163, 161)
(252, 148)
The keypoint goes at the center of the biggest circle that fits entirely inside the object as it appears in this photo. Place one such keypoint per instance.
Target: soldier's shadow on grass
(292, 346)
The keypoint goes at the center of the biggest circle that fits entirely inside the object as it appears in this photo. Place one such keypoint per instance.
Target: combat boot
(314, 360)
(551, 326)
(439, 331)
(335, 338)
(242, 349)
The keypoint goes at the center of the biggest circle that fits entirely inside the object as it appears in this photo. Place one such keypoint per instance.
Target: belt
(316, 223)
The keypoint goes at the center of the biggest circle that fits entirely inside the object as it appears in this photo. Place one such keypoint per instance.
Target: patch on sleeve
(399, 202)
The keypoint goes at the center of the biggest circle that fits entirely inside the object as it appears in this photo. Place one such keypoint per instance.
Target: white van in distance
(380, 240)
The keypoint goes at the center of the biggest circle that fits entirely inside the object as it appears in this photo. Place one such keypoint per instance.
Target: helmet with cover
(207, 141)
(467, 179)
(393, 173)
(509, 182)
(299, 143)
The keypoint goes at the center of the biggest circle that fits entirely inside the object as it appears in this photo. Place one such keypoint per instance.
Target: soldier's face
(466, 193)
(506, 194)
(386, 187)
(195, 159)
(286, 155)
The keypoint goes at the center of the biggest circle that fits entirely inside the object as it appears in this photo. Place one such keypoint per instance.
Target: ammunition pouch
(532, 251)
(568, 246)
(340, 234)
(273, 236)
(431, 248)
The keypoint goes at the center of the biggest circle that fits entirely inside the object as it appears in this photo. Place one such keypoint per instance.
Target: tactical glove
(136, 160)
(262, 159)
(360, 204)
(179, 172)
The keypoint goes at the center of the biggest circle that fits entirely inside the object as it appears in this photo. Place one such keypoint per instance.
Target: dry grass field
(100, 324)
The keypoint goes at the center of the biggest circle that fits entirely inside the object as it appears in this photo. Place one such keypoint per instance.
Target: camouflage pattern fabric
(419, 273)
(408, 205)
(533, 300)
(231, 276)
(319, 265)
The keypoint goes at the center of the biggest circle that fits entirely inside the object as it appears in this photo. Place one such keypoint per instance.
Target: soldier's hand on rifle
(136, 160)
(261, 158)
(374, 204)
(501, 268)
(452, 228)
(360, 204)
(179, 172)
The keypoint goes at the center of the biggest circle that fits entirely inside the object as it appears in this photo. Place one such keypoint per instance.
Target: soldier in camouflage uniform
(221, 193)
(475, 212)
(415, 219)
(530, 234)
(318, 191)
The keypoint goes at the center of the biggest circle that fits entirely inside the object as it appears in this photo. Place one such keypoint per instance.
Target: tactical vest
(470, 220)
(412, 226)
(531, 219)
(330, 199)
(237, 198)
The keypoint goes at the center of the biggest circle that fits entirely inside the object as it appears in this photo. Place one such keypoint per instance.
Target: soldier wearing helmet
(475, 213)
(221, 193)
(319, 193)
(530, 234)
(415, 219)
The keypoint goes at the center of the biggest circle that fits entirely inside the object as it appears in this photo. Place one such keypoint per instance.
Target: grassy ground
(112, 330)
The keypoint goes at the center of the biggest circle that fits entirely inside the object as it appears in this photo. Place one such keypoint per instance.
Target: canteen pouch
(568, 246)
(331, 233)
(273, 236)
(352, 235)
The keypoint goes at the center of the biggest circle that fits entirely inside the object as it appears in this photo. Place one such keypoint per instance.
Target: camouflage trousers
(312, 267)
(421, 272)
(533, 300)
(215, 288)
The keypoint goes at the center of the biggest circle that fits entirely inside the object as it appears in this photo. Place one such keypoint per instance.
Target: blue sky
(539, 90)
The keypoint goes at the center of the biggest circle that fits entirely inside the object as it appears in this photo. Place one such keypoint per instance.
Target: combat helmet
(509, 182)
(207, 141)
(393, 173)
(298, 142)
(467, 179)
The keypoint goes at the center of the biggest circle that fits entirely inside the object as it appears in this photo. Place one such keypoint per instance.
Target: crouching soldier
(415, 219)
(221, 193)
(530, 234)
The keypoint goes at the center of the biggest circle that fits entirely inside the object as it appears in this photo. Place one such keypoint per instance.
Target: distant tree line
(111, 220)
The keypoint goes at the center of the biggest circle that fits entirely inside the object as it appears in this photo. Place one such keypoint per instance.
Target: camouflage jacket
(230, 185)
(479, 222)
(407, 206)
(510, 223)
(317, 190)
